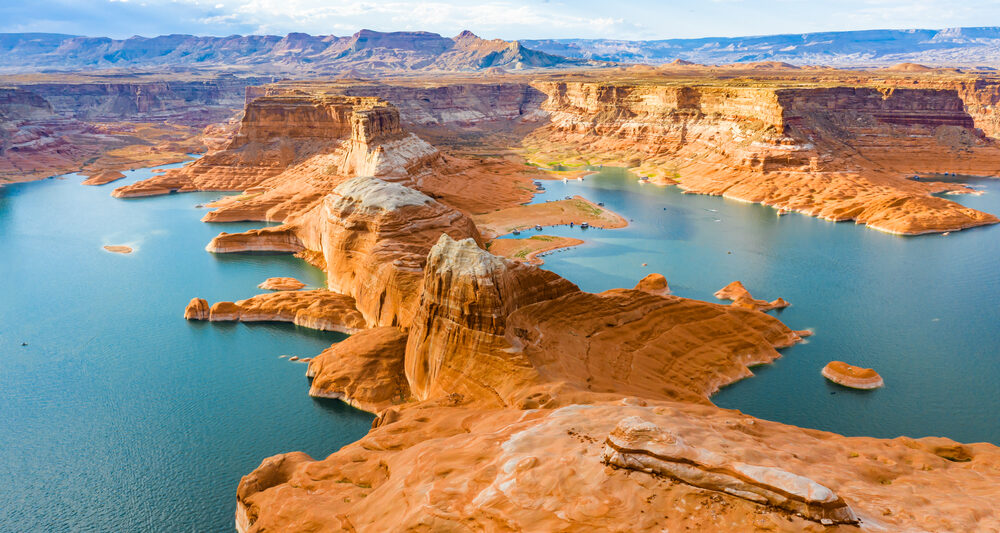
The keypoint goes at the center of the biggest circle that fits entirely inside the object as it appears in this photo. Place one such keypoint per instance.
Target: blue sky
(509, 19)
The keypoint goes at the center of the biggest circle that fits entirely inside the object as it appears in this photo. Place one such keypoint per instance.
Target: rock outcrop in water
(741, 297)
(373, 237)
(365, 370)
(197, 309)
(654, 284)
(281, 284)
(316, 309)
(852, 376)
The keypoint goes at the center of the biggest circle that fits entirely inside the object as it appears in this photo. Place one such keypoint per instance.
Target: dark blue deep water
(120, 415)
(923, 311)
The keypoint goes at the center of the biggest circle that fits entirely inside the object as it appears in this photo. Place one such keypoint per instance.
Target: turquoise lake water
(922, 311)
(119, 415)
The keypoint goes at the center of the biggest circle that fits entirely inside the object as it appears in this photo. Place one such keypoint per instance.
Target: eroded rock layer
(365, 370)
(841, 153)
(436, 466)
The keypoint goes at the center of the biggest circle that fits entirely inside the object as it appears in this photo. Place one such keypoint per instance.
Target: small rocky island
(851, 376)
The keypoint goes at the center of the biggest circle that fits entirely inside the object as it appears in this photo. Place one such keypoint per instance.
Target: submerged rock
(118, 249)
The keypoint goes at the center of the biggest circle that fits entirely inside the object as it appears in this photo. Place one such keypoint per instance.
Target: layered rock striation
(840, 153)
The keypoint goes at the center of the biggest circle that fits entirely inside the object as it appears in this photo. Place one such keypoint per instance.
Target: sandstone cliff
(841, 153)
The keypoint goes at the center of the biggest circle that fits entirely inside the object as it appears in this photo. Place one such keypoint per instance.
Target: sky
(507, 19)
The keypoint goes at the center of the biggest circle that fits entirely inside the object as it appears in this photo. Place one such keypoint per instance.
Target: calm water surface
(923, 311)
(119, 415)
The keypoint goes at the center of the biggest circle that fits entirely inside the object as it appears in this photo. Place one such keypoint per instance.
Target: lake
(119, 415)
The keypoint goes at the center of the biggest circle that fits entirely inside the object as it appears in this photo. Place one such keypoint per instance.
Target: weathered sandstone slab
(440, 466)
(637, 444)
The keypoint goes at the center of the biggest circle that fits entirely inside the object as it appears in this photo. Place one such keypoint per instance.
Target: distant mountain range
(369, 52)
(365, 52)
(949, 47)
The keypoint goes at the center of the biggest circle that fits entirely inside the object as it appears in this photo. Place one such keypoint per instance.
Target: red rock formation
(295, 148)
(223, 312)
(637, 444)
(852, 376)
(491, 329)
(365, 370)
(839, 153)
(281, 284)
(100, 178)
(741, 297)
(271, 239)
(438, 467)
(316, 309)
(374, 237)
(197, 309)
(457, 340)
(654, 284)
(118, 248)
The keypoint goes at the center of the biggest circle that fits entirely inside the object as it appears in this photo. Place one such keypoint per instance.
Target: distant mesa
(765, 65)
(909, 67)
(118, 248)
(281, 284)
(851, 376)
(681, 63)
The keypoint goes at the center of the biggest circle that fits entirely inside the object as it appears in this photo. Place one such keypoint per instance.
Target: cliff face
(500, 331)
(839, 153)
(195, 102)
(457, 342)
(459, 104)
(375, 237)
(60, 126)
(292, 150)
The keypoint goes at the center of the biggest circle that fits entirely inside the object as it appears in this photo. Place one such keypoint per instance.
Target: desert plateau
(398, 281)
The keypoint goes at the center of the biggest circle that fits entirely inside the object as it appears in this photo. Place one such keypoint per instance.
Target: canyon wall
(200, 101)
(52, 126)
(841, 153)
(293, 149)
